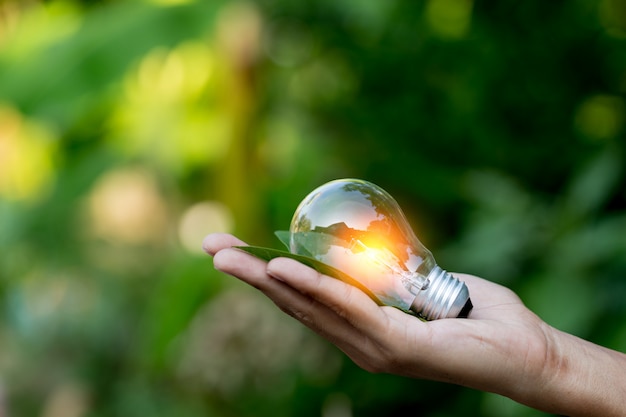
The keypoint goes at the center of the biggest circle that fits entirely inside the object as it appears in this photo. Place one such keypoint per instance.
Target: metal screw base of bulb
(445, 296)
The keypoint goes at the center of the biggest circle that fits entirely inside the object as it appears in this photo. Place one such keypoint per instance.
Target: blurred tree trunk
(239, 32)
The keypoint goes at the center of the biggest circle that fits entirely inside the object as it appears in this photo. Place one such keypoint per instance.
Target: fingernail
(272, 275)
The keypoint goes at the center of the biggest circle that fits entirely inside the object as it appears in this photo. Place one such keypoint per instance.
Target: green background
(131, 129)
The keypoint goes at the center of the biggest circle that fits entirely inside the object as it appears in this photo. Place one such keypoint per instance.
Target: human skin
(502, 347)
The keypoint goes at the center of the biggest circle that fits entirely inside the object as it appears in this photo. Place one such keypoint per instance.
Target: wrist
(580, 378)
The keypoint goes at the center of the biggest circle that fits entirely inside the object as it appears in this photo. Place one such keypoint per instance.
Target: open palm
(502, 347)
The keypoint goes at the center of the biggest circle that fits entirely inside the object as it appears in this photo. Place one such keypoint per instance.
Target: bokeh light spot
(164, 114)
(613, 17)
(201, 219)
(26, 156)
(600, 117)
(239, 27)
(67, 400)
(126, 207)
(449, 18)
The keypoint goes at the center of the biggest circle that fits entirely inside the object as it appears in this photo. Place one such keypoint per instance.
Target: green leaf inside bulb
(268, 254)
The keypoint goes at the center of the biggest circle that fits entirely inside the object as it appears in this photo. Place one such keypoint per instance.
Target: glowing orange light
(380, 258)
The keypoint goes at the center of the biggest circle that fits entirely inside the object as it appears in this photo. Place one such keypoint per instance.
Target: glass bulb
(358, 228)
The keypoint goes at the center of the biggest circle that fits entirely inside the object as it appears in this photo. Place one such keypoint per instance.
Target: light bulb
(359, 229)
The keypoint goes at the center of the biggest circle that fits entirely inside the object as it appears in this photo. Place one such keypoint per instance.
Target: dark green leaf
(268, 254)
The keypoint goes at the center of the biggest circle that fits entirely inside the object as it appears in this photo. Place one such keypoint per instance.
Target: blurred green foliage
(130, 129)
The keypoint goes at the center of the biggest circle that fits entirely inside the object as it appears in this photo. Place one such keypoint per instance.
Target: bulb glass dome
(358, 228)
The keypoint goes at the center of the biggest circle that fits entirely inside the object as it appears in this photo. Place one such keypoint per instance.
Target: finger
(310, 312)
(215, 242)
(345, 300)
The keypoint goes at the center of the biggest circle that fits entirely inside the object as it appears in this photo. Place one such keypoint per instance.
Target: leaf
(284, 236)
(268, 254)
(310, 243)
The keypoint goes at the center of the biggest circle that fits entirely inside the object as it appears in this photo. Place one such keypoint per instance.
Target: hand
(502, 347)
